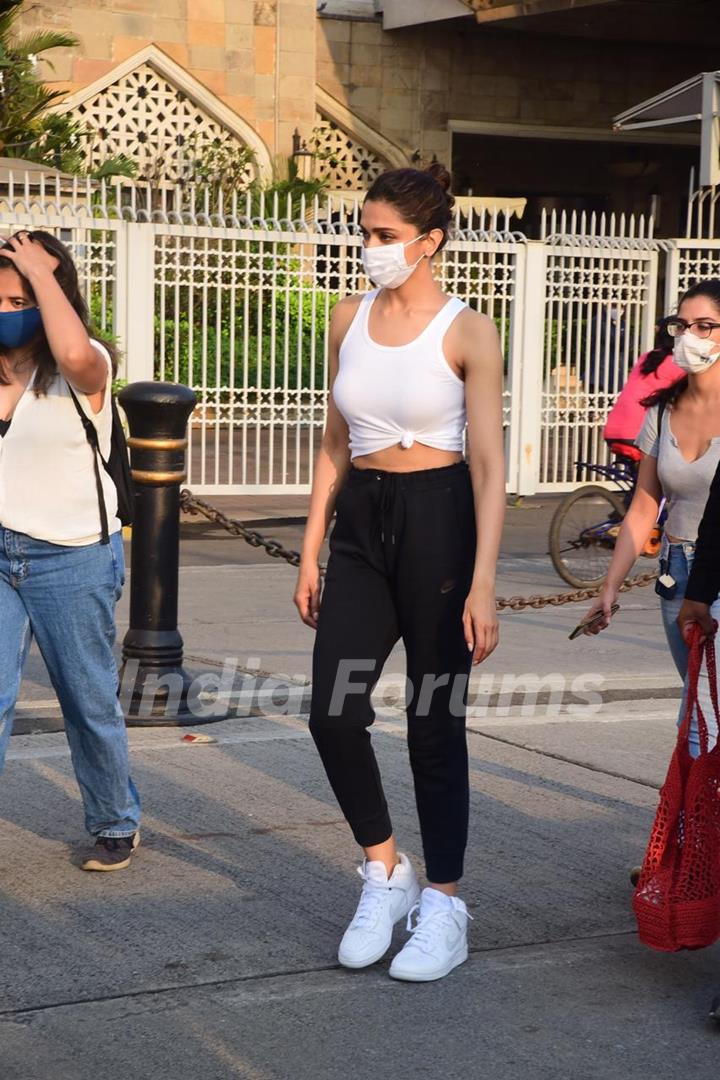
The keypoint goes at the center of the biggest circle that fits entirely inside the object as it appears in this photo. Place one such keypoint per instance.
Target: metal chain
(517, 603)
(190, 504)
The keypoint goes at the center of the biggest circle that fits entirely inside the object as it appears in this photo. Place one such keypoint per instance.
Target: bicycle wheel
(583, 533)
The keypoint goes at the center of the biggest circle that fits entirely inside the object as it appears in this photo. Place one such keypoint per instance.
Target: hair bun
(437, 170)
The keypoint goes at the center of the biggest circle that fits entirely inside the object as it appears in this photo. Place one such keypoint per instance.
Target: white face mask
(692, 353)
(386, 264)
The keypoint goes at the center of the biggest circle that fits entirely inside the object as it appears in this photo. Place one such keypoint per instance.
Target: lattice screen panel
(154, 123)
(341, 159)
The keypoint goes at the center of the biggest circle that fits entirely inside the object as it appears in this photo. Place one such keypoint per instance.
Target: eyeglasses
(702, 328)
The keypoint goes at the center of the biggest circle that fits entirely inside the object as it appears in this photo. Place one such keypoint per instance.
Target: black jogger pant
(402, 553)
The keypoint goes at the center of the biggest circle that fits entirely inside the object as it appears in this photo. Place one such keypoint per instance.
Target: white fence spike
(239, 288)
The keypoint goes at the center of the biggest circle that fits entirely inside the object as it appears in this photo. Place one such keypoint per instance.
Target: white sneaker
(383, 902)
(439, 939)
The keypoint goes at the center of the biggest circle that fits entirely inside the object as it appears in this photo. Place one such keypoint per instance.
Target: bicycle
(586, 524)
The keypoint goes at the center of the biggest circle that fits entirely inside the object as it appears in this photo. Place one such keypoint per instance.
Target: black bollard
(153, 683)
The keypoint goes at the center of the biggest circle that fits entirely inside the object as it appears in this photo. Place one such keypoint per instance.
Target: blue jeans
(680, 558)
(65, 598)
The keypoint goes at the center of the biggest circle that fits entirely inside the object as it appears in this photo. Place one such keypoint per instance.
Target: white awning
(397, 13)
(674, 106)
(696, 99)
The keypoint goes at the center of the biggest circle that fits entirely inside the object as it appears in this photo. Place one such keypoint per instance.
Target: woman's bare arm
(329, 472)
(637, 523)
(634, 531)
(483, 366)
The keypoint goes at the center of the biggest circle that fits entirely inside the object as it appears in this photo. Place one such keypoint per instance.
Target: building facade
(520, 105)
(235, 301)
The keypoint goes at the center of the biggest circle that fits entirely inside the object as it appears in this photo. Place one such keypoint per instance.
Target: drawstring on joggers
(388, 490)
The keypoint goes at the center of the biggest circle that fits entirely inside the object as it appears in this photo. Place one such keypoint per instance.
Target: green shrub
(296, 353)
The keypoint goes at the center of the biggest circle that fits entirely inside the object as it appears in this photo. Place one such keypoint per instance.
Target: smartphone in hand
(597, 618)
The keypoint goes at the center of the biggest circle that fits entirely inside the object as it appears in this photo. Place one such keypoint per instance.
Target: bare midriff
(399, 459)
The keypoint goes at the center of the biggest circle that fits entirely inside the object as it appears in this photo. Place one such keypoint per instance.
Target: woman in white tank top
(59, 582)
(412, 555)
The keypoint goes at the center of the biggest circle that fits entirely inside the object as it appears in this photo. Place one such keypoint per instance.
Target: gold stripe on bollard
(156, 444)
(143, 477)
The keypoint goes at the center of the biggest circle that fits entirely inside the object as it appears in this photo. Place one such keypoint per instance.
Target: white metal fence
(696, 256)
(600, 309)
(233, 298)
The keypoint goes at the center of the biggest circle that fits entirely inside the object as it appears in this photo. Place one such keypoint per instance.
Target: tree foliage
(28, 129)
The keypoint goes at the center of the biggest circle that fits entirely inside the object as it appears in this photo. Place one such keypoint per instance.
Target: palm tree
(24, 100)
(27, 128)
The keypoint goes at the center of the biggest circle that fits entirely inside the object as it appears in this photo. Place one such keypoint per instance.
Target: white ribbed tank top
(392, 394)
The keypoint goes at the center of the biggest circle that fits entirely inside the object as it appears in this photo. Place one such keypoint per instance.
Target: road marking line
(136, 747)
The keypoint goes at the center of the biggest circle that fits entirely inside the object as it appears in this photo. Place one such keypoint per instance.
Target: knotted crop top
(392, 394)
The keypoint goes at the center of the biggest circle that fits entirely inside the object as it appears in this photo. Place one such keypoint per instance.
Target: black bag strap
(92, 437)
(661, 409)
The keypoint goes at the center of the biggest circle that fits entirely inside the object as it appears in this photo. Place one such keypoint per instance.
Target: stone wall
(410, 83)
(257, 56)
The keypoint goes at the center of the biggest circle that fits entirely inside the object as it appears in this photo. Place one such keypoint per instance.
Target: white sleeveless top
(47, 479)
(392, 394)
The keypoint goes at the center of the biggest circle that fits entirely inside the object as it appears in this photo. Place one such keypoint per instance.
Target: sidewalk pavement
(252, 609)
(283, 507)
(214, 956)
(259, 508)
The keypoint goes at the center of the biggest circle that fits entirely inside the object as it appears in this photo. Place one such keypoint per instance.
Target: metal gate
(241, 314)
(599, 316)
(234, 300)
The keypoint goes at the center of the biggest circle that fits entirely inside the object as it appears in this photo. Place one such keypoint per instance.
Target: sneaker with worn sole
(439, 939)
(383, 902)
(111, 852)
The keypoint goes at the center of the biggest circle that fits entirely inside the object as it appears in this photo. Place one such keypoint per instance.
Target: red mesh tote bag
(677, 899)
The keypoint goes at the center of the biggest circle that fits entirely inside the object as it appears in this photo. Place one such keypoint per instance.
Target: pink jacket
(627, 414)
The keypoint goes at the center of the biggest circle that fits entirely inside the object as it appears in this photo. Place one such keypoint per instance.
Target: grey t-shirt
(685, 484)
